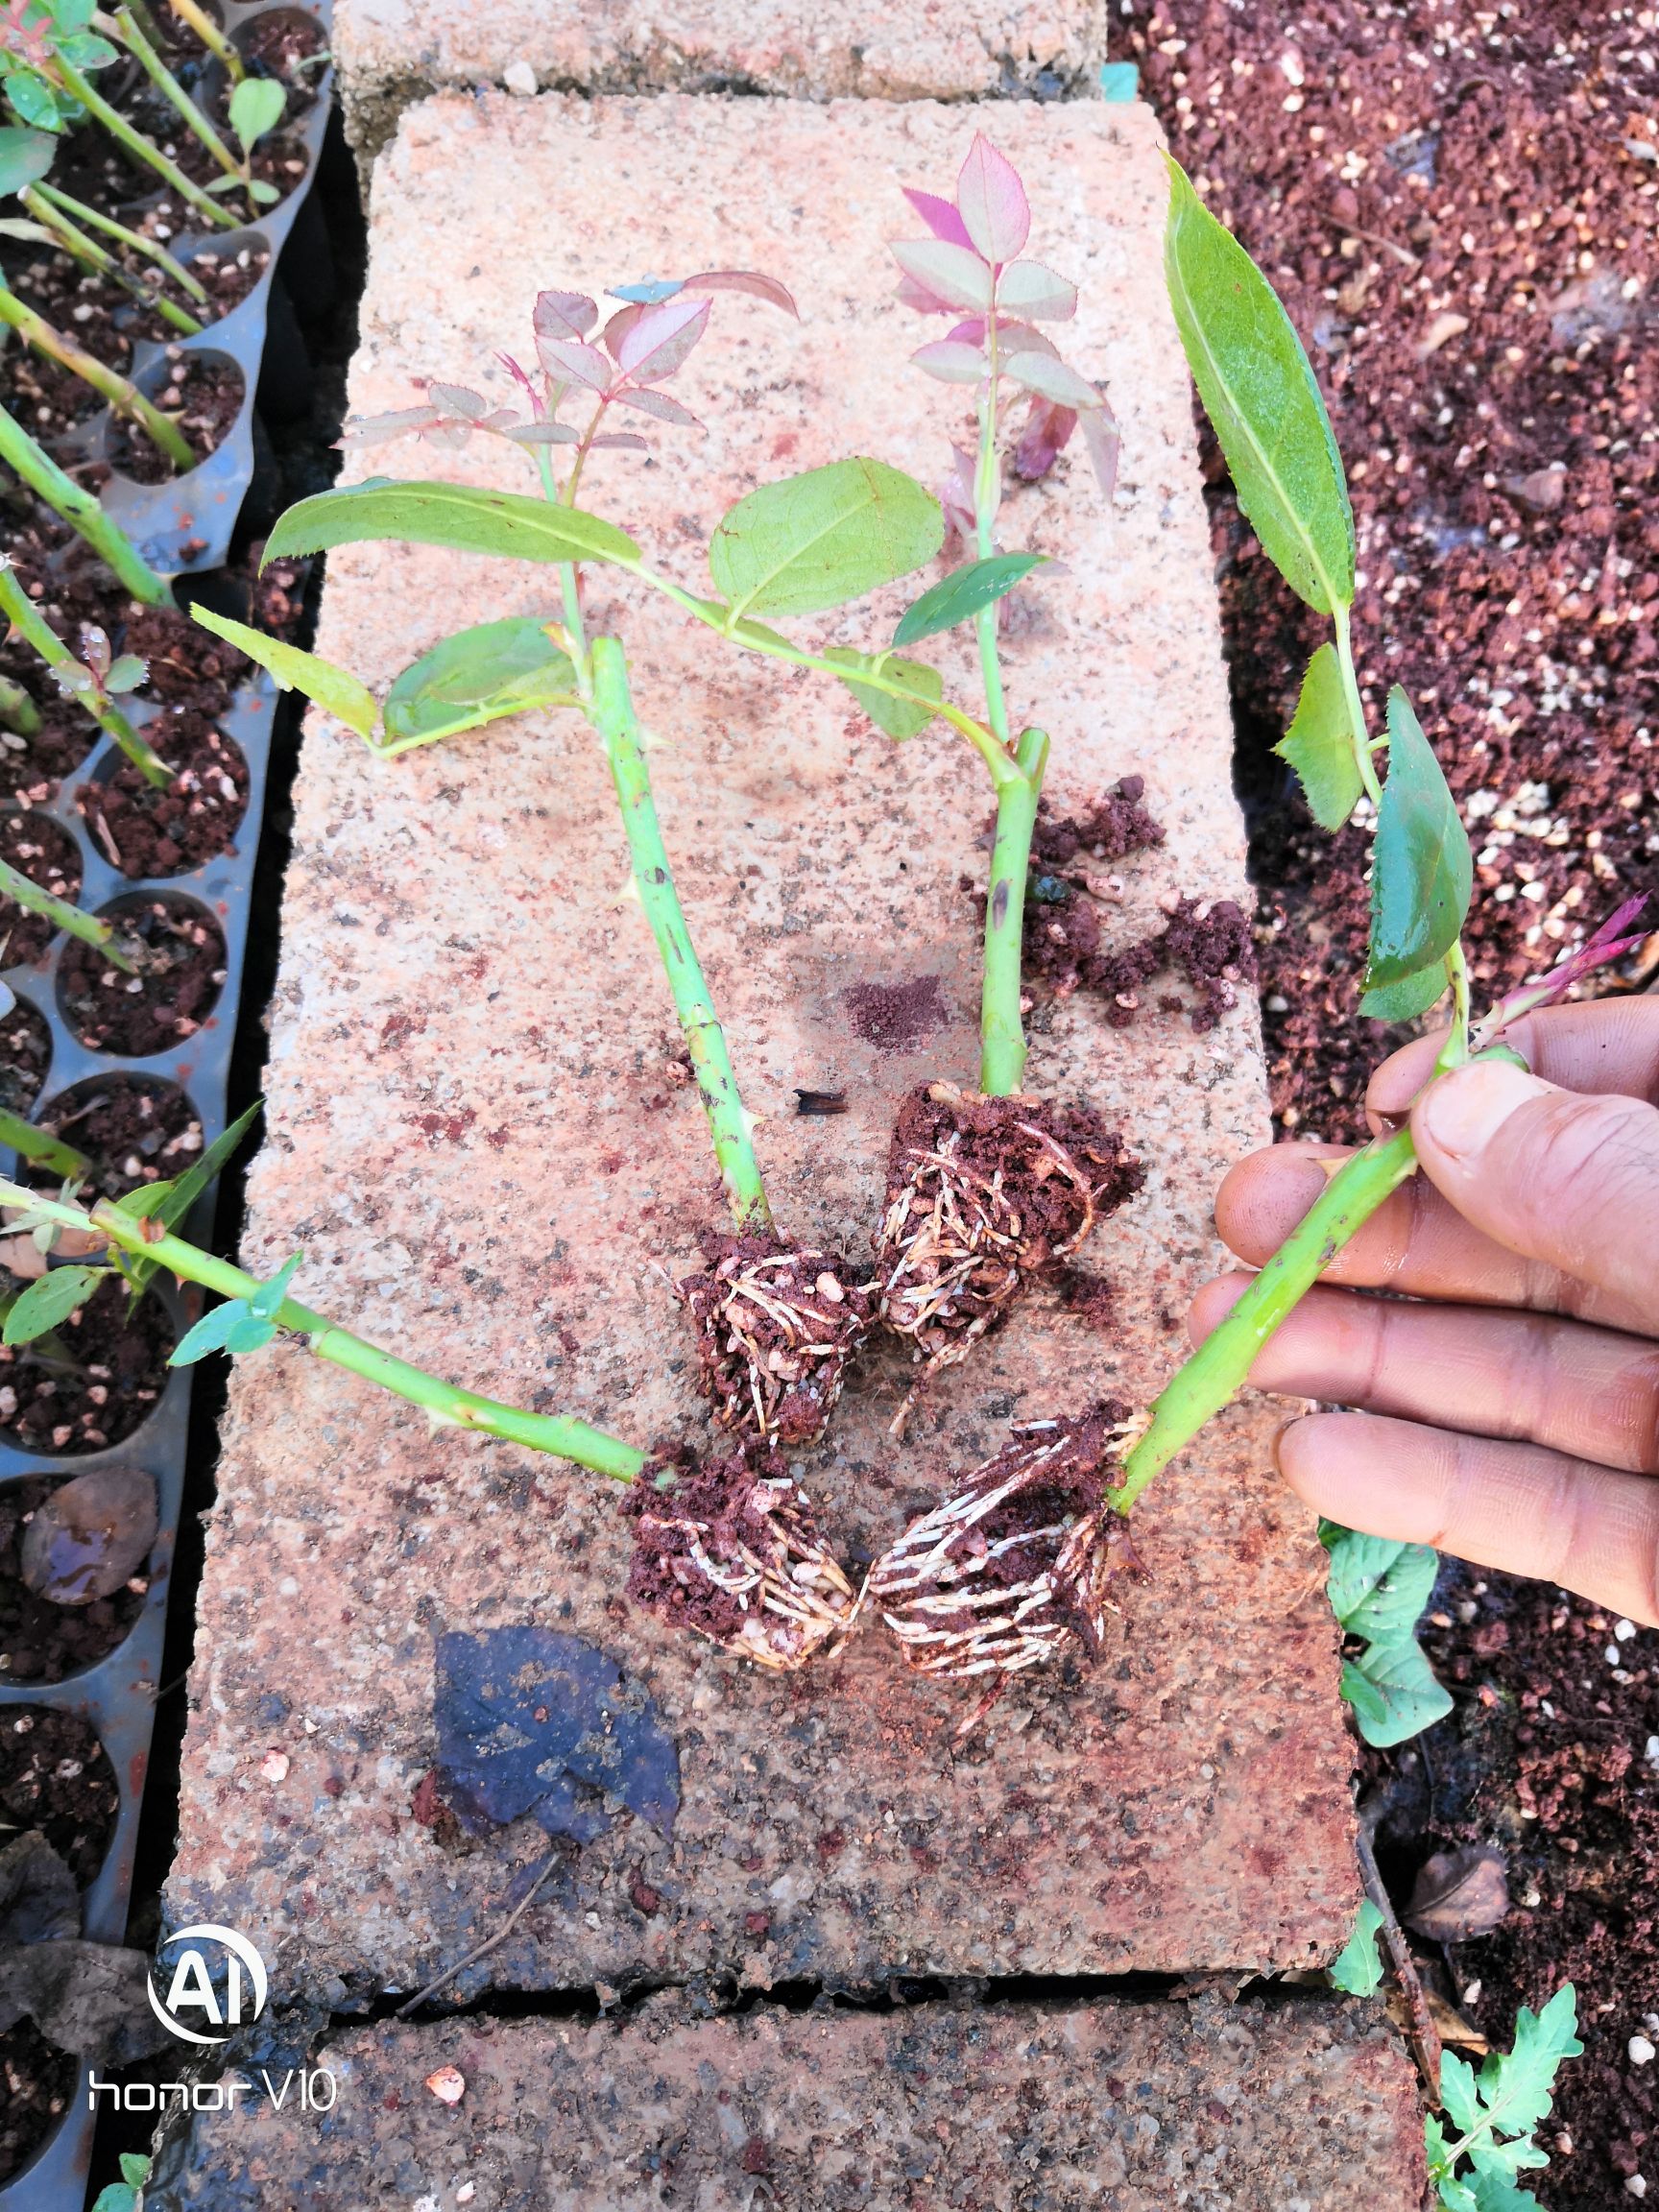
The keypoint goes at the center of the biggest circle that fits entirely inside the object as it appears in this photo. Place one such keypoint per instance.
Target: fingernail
(1462, 1113)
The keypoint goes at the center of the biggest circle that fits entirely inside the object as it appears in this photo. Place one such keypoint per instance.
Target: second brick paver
(480, 1147)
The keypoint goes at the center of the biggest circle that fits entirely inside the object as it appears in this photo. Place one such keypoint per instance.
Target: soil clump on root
(776, 1330)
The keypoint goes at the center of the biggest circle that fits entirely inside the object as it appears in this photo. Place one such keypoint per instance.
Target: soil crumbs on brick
(1458, 208)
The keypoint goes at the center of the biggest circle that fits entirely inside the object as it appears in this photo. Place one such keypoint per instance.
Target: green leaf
(1378, 1588)
(264, 1303)
(819, 540)
(256, 107)
(959, 597)
(478, 676)
(1422, 870)
(1494, 2114)
(1357, 1967)
(458, 516)
(231, 1327)
(1494, 2193)
(135, 2168)
(115, 2197)
(1260, 393)
(332, 689)
(1405, 1002)
(34, 100)
(50, 1299)
(85, 50)
(1370, 1707)
(25, 157)
(1319, 743)
(1413, 1699)
(898, 717)
(262, 194)
(169, 1203)
(126, 673)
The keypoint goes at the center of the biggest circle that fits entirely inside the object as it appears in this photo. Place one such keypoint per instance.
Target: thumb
(1568, 1179)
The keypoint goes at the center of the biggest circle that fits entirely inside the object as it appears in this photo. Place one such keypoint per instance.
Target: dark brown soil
(40, 1642)
(56, 1776)
(1429, 163)
(179, 951)
(226, 275)
(1209, 940)
(982, 1194)
(39, 2081)
(134, 1128)
(1503, 483)
(280, 39)
(896, 1017)
(716, 1497)
(279, 160)
(118, 1374)
(775, 1329)
(25, 1056)
(145, 829)
(204, 396)
(43, 850)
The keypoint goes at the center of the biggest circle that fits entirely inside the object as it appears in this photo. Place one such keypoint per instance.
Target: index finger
(1607, 1045)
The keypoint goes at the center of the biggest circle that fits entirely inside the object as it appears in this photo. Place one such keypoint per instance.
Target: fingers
(1556, 1176)
(1586, 1391)
(1610, 1044)
(1513, 1507)
(1417, 1243)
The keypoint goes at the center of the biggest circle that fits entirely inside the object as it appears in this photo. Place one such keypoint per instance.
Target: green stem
(174, 93)
(122, 394)
(139, 147)
(1222, 1365)
(18, 712)
(1355, 706)
(987, 498)
(211, 37)
(23, 891)
(613, 718)
(1455, 1050)
(448, 1405)
(27, 618)
(91, 256)
(1001, 1030)
(151, 248)
(42, 1148)
(81, 511)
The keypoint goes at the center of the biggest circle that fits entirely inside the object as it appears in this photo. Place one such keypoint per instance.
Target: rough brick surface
(477, 1142)
(390, 51)
(1116, 2107)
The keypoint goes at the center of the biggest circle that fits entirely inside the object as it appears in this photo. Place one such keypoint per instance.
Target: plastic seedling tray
(183, 527)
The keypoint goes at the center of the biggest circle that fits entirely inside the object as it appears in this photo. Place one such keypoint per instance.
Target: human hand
(1511, 1413)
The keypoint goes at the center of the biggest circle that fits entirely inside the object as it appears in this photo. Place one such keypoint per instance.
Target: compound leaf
(1260, 393)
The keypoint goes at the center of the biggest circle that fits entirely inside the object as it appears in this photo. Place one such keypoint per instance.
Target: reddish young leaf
(1029, 289)
(660, 404)
(563, 315)
(951, 363)
(952, 277)
(993, 202)
(1020, 338)
(619, 325)
(956, 496)
(972, 332)
(1102, 437)
(572, 363)
(918, 298)
(940, 217)
(541, 434)
(1047, 430)
(1052, 379)
(749, 280)
(458, 399)
(629, 441)
(523, 380)
(660, 342)
(376, 429)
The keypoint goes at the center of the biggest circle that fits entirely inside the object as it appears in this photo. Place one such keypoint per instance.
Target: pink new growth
(1610, 943)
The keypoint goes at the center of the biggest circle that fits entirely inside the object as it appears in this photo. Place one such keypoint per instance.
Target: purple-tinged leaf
(1047, 430)
(749, 280)
(951, 363)
(458, 399)
(376, 429)
(541, 434)
(627, 440)
(448, 434)
(563, 315)
(660, 404)
(573, 363)
(1022, 338)
(524, 381)
(1029, 289)
(1103, 439)
(1611, 942)
(952, 276)
(995, 209)
(661, 340)
(1052, 379)
(940, 218)
(919, 299)
(970, 332)
(619, 325)
(95, 649)
(956, 496)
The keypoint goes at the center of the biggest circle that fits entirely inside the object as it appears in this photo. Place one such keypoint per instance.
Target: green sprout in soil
(94, 680)
(57, 219)
(34, 899)
(22, 452)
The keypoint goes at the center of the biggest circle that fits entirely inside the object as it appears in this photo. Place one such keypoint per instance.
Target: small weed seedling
(1483, 2137)
(95, 681)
